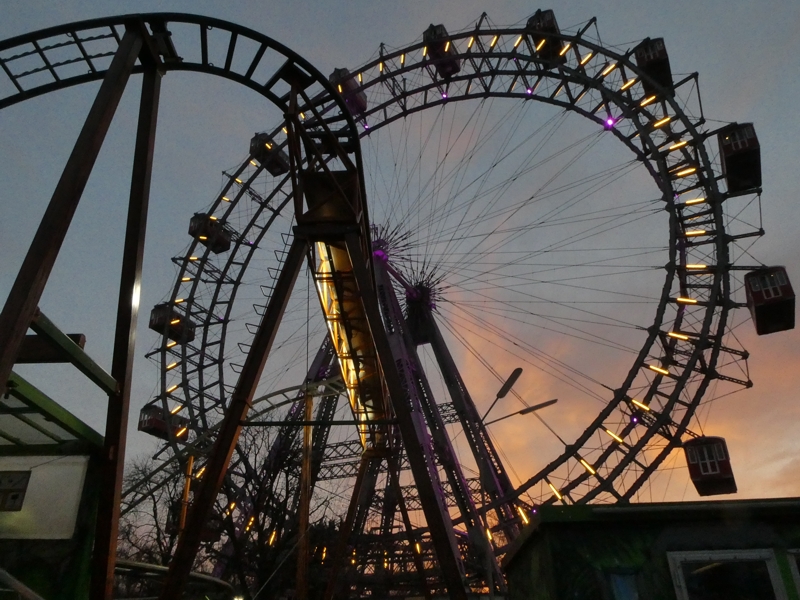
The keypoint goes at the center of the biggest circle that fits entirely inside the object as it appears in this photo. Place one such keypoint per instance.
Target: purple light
(444, 96)
(610, 122)
(366, 125)
(380, 254)
(634, 419)
(530, 91)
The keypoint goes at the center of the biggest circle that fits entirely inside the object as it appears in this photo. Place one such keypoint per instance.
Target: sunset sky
(747, 60)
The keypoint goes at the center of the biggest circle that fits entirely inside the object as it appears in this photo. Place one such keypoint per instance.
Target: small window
(623, 586)
(13, 485)
(691, 456)
(708, 464)
(754, 284)
(770, 285)
(728, 574)
(719, 452)
(781, 277)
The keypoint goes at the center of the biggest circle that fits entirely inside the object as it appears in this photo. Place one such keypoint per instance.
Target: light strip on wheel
(555, 491)
(614, 436)
(678, 336)
(588, 467)
(658, 370)
(682, 300)
(627, 84)
(640, 404)
(608, 69)
(661, 122)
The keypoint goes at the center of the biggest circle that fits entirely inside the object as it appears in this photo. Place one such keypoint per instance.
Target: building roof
(656, 511)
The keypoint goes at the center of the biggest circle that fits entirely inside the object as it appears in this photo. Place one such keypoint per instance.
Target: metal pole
(113, 459)
(32, 277)
(240, 403)
(301, 585)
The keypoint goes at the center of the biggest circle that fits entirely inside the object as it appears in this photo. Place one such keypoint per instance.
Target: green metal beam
(74, 353)
(30, 395)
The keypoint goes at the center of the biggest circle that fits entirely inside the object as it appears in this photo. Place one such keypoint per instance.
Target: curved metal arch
(71, 32)
(642, 119)
(719, 291)
(378, 71)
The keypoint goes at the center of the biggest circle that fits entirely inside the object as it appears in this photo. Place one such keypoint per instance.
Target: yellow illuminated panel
(356, 353)
(555, 491)
(614, 436)
(608, 69)
(640, 404)
(658, 370)
(588, 467)
(678, 336)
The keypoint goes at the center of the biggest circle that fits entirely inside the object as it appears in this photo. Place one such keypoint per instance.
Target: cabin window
(691, 456)
(719, 452)
(708, 462)
(729, 574)
(770, 286)
(781, 277)
(738, 138)
(651, 51)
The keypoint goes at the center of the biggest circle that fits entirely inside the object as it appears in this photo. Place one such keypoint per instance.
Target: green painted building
(729, 550)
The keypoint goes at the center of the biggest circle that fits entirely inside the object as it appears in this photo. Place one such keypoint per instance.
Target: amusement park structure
(329, 312)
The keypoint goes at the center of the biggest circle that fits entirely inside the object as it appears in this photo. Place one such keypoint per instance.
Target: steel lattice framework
(683, 350)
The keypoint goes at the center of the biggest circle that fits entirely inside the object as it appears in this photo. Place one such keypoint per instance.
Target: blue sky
(746, 57)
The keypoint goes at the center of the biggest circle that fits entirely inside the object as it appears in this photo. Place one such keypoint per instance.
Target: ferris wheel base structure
(321, 161)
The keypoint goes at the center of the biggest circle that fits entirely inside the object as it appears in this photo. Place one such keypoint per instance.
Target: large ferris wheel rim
(719, 300)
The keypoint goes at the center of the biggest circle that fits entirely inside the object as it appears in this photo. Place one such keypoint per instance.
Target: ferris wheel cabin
(652, 58)
(544, 31)
(770, 299)
(274, 160)
(709, 465)
(210, 232)
(741, 158)
(164, 319)
(441, 51)
(154, 421)
(347, 86)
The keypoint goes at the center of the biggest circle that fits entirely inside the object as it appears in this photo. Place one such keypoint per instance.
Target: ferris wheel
(537, 200)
